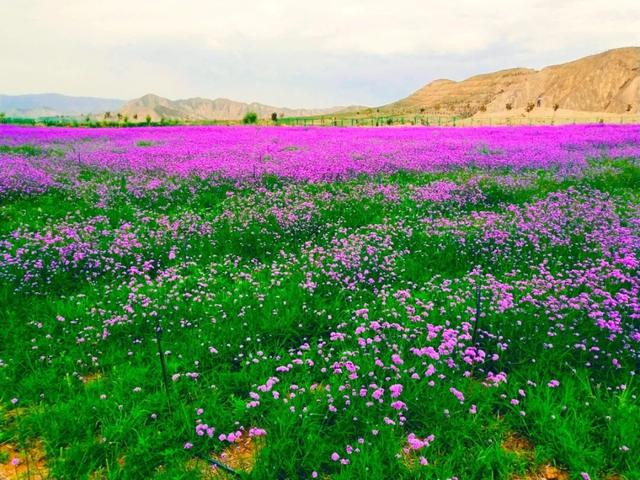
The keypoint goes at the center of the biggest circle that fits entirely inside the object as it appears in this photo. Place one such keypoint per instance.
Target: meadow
(298, 303)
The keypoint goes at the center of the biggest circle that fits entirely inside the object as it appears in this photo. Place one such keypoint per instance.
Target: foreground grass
(223, 279)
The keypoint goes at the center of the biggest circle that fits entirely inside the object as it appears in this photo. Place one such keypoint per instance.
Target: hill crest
(604, 82)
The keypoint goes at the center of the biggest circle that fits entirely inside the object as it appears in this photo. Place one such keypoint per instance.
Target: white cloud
(249, 48)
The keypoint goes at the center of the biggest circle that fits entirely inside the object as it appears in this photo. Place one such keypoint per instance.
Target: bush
(250, 118)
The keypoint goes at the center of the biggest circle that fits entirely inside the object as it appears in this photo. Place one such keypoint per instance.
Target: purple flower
(395, 390)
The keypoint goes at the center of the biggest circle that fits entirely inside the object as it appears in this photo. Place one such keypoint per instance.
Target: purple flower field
(437, 303)
(315, 154)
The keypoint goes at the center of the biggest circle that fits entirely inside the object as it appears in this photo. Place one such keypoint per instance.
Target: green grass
(237, 289)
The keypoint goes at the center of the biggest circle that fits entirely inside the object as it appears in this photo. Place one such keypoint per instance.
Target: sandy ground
(549, 117)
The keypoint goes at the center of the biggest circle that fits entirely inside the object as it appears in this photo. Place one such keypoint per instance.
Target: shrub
(556, 106)
(530, 107)
(249, 118)
(508, 106)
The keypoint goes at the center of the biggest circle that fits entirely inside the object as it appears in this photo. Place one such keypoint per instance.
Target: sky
(294, 53)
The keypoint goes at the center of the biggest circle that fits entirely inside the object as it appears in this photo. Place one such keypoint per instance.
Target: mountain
(206, 109)
(54, 104)
(606, 82)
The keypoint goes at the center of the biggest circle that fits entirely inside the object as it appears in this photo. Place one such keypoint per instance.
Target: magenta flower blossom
(395, 358)
(395, 390)
(458, 394)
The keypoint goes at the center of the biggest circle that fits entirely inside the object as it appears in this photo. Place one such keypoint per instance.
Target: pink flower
(395, 358)
(553, 383)
(396, 390)
(458, 394)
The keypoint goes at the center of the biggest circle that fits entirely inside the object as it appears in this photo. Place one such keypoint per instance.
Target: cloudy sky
(292, 52)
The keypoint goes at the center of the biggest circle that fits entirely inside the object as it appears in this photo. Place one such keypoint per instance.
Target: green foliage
(237, 288)
(250, 118)
(26, 149)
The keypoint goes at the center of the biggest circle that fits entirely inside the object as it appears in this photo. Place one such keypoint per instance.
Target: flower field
(330, 303)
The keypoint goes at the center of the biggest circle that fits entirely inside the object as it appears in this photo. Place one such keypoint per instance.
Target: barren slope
(606, 82)
(205, 109)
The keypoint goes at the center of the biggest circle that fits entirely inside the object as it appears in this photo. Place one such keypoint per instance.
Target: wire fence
(450, 121)
(428, 120)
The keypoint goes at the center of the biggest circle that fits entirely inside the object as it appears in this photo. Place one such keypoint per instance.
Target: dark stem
(478, 311)
(220, 465)
(163, 363)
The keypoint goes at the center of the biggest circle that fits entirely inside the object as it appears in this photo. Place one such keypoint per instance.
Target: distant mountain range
(205, 109)
(54, 104)
(607, 82)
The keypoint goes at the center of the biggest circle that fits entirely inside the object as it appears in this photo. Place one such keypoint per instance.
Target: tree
(2, 115)
(530, 107)
(508, 106)
(629, 107)
(274, 117)
(250, 118)
(148, 119)
(556, 106)
(107, 115)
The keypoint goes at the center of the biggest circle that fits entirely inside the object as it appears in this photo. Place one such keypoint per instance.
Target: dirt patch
(23, 464)
(240, 456)
(89, 378)
(11, 415)
(546, 472)
(516, 443)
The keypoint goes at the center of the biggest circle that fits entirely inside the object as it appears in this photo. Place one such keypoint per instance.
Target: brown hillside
(606, 82)
(205, 109)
